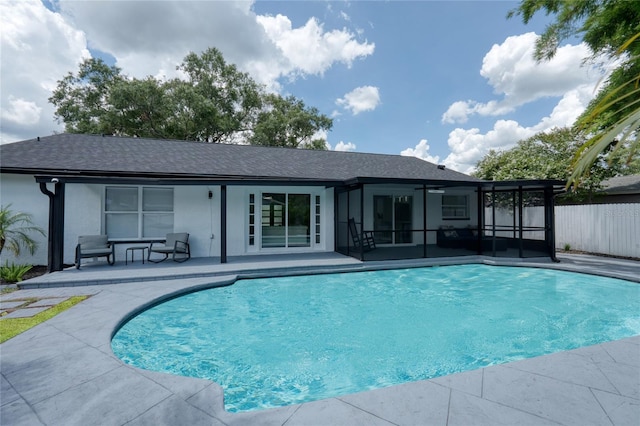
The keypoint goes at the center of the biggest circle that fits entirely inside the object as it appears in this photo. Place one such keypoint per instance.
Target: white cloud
(421, 151)
(21, 112)
(38, 48)
(510, 68)
(365, 98)
(341, 146)
(309, 49)
(468, 146)
(514, 75)
(151, 38)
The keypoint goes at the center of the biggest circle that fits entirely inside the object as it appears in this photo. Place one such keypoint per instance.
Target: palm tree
(15, 228)
(622, 102)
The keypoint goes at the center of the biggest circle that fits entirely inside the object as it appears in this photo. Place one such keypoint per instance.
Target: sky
(445, 81)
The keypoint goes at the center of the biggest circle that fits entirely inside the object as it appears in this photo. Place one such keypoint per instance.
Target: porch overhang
(191, 180)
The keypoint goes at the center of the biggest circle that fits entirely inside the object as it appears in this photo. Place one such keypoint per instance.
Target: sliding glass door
(286, 220)
(392, 219)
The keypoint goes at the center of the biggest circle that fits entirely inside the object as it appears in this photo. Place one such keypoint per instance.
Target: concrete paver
(9, 304)
(49, 301)
(64, 372)
(26, 312)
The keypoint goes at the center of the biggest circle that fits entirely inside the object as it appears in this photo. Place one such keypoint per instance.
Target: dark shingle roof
(622, 185)
(109, 156)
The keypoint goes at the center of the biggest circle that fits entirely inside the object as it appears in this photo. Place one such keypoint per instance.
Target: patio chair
(176, 245)
(94, 246)
(365, 238)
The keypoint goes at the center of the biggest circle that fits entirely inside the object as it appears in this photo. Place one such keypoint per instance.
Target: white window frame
(461, 211)
(140, 212)
(316, 227)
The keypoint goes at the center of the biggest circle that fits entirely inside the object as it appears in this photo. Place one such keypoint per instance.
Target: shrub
(567, 247)
(13, 273)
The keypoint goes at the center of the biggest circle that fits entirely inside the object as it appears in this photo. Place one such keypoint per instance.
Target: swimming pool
(279, 341)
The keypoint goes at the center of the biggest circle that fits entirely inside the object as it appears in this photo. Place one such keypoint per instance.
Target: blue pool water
(279, 341)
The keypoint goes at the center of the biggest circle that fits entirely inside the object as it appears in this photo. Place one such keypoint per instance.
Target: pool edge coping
(213, 403)
(231, 278)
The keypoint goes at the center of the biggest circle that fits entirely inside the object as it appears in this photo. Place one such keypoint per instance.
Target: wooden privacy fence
(600, 228)
(596, 228)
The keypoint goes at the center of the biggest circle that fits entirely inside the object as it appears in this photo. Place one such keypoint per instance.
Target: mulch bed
(36, 271)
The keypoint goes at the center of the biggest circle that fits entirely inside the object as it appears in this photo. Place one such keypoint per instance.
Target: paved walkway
(63, 371)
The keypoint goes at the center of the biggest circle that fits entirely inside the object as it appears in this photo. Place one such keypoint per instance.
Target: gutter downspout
(55, 243)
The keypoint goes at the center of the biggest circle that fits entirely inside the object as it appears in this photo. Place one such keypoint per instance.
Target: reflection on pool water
(279, 341)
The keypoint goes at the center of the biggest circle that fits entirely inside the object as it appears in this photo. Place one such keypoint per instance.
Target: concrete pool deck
(63, 372)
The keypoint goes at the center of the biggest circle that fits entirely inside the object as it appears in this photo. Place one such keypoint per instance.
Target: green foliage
(287, 122)
(13, 273)
(611, 122)
(603, 24)
(15, 230)
(80, 98)
(543, 156)
(214, 102)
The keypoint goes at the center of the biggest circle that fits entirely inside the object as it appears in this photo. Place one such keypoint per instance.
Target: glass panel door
(299, 221)
(383, 219)
(392, 219)
(286, 220)
(273, 220)
(403, 212)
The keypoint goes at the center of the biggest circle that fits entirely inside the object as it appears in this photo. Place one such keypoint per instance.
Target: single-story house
(237, 200)
(619, 189)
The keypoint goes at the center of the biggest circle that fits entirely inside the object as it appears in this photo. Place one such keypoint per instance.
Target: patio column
(480, 208)
(520, 217)
(424, 220)
(493, 221)
(361, 220)
(223, 224)
(55, 243)
(549, 222)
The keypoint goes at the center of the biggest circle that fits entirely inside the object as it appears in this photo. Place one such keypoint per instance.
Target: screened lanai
(409, 220)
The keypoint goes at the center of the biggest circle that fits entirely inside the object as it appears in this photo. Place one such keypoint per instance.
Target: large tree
(287, 122)
(83, 100)
(213, 102)
(610, 28)
(546, 155)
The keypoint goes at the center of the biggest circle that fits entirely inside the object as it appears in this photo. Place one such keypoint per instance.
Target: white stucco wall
(23, 193)
(194, 212)
(238, 219)
(197, 214)
(82, 216)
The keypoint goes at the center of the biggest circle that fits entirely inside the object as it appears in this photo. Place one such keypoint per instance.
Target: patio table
(133, 249)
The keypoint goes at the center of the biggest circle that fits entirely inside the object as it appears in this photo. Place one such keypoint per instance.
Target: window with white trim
(138, 212)
(455, 207)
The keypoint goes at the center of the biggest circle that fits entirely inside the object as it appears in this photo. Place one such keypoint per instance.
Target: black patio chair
(364, 239)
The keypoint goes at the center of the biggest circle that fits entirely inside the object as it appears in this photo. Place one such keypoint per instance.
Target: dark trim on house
(223, 224)
(95, 159)
(55, 243)
(180, 181)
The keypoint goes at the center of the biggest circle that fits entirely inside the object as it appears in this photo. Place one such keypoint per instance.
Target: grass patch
(7, 289)
(11, 327)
